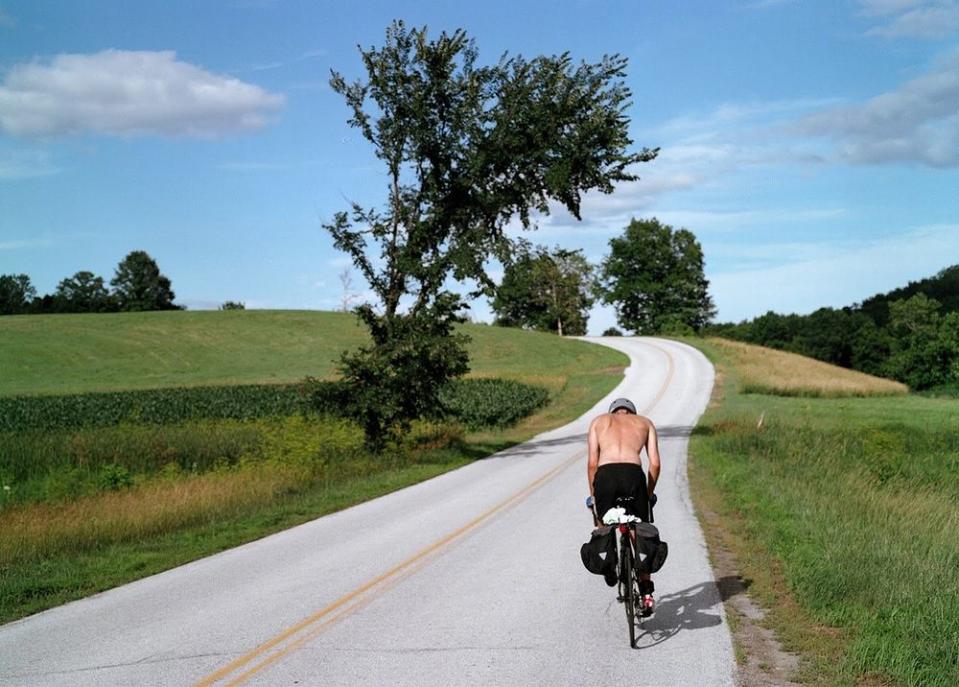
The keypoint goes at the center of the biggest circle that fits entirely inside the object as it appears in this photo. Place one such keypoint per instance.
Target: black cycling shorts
(621, 485)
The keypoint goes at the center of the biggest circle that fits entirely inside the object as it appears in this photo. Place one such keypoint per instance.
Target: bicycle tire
(628, 577)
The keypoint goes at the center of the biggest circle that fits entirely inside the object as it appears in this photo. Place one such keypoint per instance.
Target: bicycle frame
(628, 576)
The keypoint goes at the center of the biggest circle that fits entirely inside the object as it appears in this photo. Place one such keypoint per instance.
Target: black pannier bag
(599, 553)
(654, 549)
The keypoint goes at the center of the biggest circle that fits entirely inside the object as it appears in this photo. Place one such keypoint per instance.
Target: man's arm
(592, 460)
(652, 451)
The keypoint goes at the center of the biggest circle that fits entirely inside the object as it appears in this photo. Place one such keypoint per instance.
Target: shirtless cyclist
(615, 471)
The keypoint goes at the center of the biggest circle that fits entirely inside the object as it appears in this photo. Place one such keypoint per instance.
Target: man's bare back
(620, 437)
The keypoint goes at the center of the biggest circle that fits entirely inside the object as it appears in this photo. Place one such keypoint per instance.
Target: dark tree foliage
(16, 293)
(394, 380)
(233, 305)
(546, 291)
(925, 345)
(138, 284)
(943, 287)
(465, 148)
(612, 331)
(83, 292)
(654, 278)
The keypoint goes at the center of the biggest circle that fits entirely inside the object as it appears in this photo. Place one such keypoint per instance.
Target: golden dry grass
(766, 370)
(38, 530)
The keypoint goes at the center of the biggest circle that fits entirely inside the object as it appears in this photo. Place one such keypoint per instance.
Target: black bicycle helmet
(622, 403)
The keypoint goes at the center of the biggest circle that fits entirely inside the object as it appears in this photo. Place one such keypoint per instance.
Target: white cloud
(927, 19)
(279, 64)
(27, 243)
(832, 274)
(129, 93)
(885, 8)
(917, 122)
(730, 117)
(25, 164)
(732, 220)
(251, 166)
(766, 4)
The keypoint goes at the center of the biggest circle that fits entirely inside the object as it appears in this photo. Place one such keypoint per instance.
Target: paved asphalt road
(472, 578)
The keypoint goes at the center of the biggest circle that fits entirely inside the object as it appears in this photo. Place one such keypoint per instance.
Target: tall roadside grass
(279, 457)
(855, 501)
(768, 371)
(66, 465)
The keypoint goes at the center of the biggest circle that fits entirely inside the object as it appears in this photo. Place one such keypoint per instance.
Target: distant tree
(233, 305)
(773, 330)
(612, 331)
(139, 285)
(548, 291)
(925, 345)
(870, 346)
(654, 278)
(83, 292)
(349, 296)
(16, 293)
(943, 287)
(826, 334)
(466, 148)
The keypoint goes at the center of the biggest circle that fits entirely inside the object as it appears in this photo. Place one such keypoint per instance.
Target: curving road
(470, 578)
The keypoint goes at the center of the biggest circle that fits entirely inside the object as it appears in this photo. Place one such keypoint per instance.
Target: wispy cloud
(129, 93)
(279, 64)
(916, 122)
(252, 166)
(26, 243)
(766, 4)
(803, 277)
(25, 164)
(924, 19)
(733, 220)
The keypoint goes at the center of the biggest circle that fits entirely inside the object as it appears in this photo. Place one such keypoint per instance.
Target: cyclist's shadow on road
(693, 608)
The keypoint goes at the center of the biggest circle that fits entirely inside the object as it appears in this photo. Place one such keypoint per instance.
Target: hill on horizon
(60, 354)
(918, 343)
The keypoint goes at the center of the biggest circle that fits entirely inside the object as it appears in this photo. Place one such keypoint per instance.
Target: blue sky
(811, 146)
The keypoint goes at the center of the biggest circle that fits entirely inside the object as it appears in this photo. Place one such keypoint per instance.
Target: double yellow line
(309, 628)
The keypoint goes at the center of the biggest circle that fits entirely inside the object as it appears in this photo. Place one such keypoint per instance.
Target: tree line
(137, 285)
(653, 277)
(910, 334)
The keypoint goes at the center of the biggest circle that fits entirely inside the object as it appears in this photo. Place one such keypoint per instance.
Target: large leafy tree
(466, 148)
(16, 293)
(925, 344)
(654, 278)
(548, 291)
(139, 285)
(83, 292)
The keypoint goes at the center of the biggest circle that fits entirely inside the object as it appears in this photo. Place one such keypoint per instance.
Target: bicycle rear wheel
(627, 580)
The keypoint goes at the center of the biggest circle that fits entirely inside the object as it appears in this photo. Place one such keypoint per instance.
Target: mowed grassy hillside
(843, 513)
(58, 354)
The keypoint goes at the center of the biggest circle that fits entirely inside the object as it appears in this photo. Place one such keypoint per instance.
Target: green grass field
(847, 514)
(103, 517)
(60, 354)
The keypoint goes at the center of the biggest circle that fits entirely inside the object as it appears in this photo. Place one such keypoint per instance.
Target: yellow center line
(313, 624)
(343, 600)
